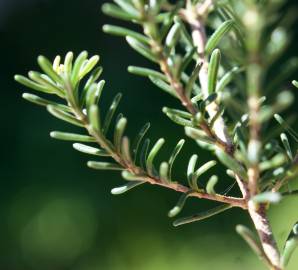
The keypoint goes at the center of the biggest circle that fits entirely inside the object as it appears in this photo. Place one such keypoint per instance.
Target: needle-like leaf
(152, 154)
(186, 37)
(211, 184)
(119, 131)
(92, 79)
(90, 64)
(110, 113)
(144, 153)
(127, 7)
(180, 204)
(116, 12)
(125, 150)
(121, 31)
(138, 139)
(90, 150)
(33, 85)
(94, 117)
(47, 68)
(44, 102)
(198, 135)
(46, 82)
(196, 89)
(64, 116)
(65, 136)
(203, 215)
(130, 177)
(188, 57)
(164, 172)
(213, 70)
(177, 119)
(267, 197)
(174, 155)
(173, 36)
(93, 94)
(162, 85)
(213, 41)
(142, 49)
(176, 112)
(104, 166)
(295, 83)
(290, 246)
(227, 78)
(204, 168)
(75, 75)
(190, 171)
(286, 145)
(67, 68)
(146, 72)
(128, 186)
(231, 163)
(194, 75)
(284, 124)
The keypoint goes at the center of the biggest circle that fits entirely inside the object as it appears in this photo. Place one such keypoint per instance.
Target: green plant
(226, 94)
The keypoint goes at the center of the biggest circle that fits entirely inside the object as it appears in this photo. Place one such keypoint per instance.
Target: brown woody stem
(195, 17)
(262, 225)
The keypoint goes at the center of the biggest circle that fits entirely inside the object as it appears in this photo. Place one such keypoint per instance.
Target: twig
(257, 213)
(262, 225)
(196, 21)
(254, 74)
(234, 202)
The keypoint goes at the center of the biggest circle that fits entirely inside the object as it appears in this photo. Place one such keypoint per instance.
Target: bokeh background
(55, 213)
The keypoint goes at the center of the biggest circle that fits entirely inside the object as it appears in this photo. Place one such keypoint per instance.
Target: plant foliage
(218, 79)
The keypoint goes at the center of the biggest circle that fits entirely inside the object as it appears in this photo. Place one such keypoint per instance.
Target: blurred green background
(58, 214)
